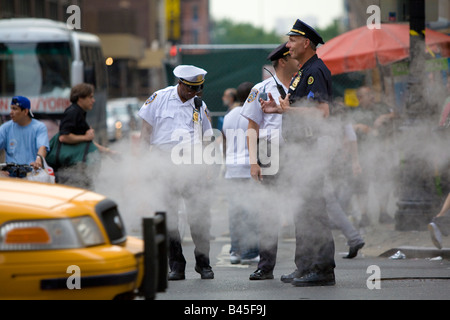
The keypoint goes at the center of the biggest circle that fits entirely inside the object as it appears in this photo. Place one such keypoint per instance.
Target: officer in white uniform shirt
(268, 125)
(166, 112)
(268, 128)
(173, 108)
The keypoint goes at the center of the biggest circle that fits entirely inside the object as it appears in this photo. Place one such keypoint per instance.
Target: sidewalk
(382, 240)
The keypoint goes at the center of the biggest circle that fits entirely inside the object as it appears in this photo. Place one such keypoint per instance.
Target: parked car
(122, 117)
(60, 242)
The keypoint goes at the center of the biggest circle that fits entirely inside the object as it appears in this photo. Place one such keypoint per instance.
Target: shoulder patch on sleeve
(151, 99)
(310, 80)
(252, 96)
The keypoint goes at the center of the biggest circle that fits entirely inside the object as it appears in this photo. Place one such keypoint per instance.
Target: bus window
(33, 69)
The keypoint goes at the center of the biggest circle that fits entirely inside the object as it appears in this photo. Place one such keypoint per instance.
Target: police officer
(308, 102)
(168, 111)
(267, 129)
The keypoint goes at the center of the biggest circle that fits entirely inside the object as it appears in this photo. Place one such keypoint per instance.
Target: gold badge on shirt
(296, 81)
(195, 116)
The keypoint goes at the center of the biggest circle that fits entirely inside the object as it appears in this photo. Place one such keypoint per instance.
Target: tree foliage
(329, 32)
(227, 32)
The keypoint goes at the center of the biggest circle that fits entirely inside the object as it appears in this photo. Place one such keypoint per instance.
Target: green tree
(226, 32)
(328, 33)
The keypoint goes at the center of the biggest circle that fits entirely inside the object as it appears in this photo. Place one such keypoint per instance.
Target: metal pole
(155, 255)
(162, 244)
(417, 196)
(148, 287)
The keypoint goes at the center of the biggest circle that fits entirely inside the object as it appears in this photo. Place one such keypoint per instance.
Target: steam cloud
(143, 183)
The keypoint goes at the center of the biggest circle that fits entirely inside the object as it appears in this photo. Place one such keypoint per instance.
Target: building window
(195, 13)
(53, 10)
(195, 36)
(24, 8)
(117, 21)
(39, 8)
(6, 8)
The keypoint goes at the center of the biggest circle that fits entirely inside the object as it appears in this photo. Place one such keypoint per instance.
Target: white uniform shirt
(236, 160)
(269, 123)
(169, 117)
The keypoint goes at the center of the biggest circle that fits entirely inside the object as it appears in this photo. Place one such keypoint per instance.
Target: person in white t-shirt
(242, 222)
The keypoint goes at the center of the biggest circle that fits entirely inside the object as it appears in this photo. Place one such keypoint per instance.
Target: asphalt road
(362, 278)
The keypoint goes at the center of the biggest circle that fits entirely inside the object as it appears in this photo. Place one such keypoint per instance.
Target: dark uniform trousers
(199, 220)
(268, 226)
(189, 182)
(314, 245)
(314, 250)
(199, 227)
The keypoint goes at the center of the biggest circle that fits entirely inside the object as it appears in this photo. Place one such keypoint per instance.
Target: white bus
(42, 59)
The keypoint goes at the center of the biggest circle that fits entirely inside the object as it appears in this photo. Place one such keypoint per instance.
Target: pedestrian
(374, 126)
(338, 182)
(264, 129)
(242, 220)
(440, 224)
(23, 138)
(229, 100)
(166, 113)
(75, 131)
(304, 110)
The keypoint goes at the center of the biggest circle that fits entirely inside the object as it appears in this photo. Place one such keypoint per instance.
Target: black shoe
(315, 279)
(261, 275)
(205, 272)
(173, 276)
(287, 278)
(353, 252)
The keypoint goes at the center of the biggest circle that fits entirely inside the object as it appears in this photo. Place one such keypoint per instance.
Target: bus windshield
(35, 69)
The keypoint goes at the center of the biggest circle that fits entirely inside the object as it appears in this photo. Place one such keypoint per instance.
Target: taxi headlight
(50, 234)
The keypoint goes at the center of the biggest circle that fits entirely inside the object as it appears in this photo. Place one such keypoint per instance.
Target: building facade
(136, 35)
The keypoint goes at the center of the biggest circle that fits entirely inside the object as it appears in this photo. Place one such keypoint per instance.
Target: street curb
(418, 252)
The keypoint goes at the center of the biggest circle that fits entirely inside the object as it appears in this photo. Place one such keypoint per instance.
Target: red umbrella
(364, 48)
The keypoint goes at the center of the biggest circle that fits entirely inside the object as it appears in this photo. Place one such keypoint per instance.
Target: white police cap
(190, 75)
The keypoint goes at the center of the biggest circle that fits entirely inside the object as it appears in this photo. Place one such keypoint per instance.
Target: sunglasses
(193, 88)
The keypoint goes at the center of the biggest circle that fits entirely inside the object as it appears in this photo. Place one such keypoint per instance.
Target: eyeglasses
(194, 88)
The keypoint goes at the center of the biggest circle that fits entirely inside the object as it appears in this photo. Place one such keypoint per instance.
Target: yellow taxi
(60, 242)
